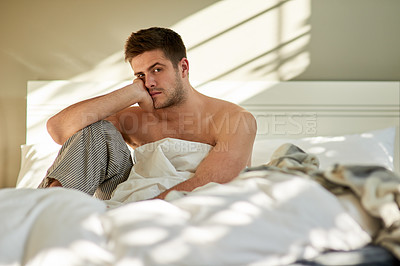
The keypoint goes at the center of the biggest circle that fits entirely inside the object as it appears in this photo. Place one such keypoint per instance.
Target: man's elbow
(55, 132)
(248, 123)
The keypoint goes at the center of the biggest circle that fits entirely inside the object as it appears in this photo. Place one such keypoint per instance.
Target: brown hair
(154, 38)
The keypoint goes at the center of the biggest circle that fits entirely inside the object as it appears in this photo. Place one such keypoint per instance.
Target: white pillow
(375, 147)
(35, 160)
(369, 148)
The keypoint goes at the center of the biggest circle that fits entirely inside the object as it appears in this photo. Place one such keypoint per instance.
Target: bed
(282, 211)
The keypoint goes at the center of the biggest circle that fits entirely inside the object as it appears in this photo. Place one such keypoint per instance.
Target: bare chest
(191, 128)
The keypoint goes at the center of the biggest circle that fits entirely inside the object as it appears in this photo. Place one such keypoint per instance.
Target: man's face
(161, 79)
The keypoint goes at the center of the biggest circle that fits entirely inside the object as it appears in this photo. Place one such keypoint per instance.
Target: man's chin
(158, 106)
(162, 105)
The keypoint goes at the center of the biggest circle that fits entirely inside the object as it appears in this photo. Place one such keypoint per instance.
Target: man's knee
(48, 182)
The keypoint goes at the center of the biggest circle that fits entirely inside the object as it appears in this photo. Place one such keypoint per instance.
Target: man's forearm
(207, 173)
(226, 160)
(79, 115)
(187, 185)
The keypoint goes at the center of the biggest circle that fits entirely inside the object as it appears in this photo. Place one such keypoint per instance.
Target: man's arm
(230, 155)
(77, 116)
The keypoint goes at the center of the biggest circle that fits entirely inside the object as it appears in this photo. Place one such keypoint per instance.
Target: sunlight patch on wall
(235, 91)
(262, 40)
(242, 46)
(113, 68)
(46, 98)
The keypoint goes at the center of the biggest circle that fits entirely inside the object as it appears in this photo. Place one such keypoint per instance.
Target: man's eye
(139, 76)
(157, 70)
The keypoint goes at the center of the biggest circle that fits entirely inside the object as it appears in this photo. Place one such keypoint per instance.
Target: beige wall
(49, 40)
(354, 40)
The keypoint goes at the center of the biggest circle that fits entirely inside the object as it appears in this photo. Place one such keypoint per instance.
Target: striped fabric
(94, 160)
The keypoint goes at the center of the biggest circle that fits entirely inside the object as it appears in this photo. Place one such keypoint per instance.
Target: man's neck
(192, 104)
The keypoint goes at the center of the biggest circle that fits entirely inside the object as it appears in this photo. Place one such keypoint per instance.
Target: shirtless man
(168, 107)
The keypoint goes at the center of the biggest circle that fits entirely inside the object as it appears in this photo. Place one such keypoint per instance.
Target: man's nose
(150, 82)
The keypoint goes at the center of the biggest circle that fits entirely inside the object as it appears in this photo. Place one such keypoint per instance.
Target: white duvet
(260, 218)
(159, 166)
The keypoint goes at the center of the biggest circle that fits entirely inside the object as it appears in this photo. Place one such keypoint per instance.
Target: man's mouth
(154, 93)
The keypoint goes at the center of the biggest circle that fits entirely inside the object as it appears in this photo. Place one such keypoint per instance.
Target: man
(168, 106)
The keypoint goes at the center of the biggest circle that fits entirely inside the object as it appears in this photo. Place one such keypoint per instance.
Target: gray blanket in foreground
(377, 188)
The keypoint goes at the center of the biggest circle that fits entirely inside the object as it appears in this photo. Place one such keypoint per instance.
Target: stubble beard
(175, 98)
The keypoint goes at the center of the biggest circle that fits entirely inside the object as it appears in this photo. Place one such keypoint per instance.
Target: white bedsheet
(260, 218)
(250, 221)
(159, 166)
(51, 227)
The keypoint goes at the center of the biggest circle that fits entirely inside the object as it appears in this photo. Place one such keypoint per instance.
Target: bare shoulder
(223, 108)
(228, 114)
(234, 130)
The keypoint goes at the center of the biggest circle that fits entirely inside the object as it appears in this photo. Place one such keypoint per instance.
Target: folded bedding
(273, 214)
(159, 166)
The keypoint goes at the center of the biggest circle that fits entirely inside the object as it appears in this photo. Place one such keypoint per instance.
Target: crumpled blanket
(159, 166)
(266, 217)
(376, 188)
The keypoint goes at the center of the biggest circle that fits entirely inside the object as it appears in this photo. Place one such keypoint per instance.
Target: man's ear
(184, 67)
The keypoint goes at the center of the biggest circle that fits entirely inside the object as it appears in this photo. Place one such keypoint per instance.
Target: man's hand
(142, 95)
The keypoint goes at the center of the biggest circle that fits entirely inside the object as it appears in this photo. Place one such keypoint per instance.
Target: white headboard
(282, 109)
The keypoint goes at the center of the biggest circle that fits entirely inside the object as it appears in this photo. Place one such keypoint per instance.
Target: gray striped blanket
(376, 188)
